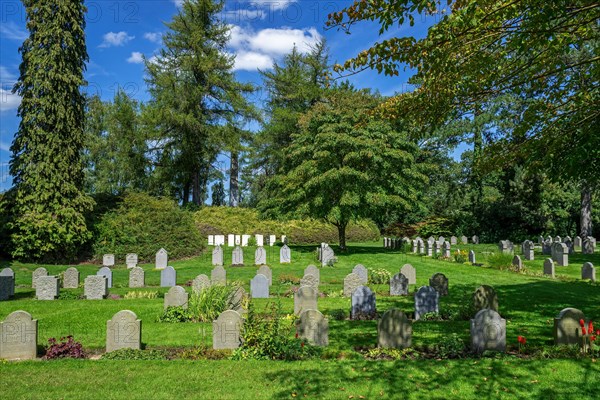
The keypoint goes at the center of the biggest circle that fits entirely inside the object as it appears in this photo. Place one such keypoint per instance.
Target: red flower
(582, 323)
(598, 332)
(590, 327)
(583, 331)
(302, 344)
(521, 339)
(296, 335)
(593, 338)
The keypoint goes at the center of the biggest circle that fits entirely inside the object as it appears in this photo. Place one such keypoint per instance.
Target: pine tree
(46, 162)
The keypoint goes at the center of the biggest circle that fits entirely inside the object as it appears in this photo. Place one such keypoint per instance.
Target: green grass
(529, 302)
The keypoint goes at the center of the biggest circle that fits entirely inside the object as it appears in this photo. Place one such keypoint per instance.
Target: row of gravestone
(260, 255)
(418, 243)
(131, 260)
(19, 331)
(243, 240)
(587, 244)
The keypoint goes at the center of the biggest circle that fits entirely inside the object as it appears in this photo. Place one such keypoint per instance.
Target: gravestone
(588, 246)
(361, 271)
(549, 267)
(284, 239)
(285, 255)
(131, 260)
(588, 271)
(327, 255)
(475, 239)
(314, 271)
(105, 271)
(394, 330)
(217, 256)
(41, 271)
(528, 250)
(577, 242)
(310, 280)
(47, 287)
(237, 300)
(485, 297)
(398, 285)
(549, 239)
(238, 240)
(8, 272)
(266, 271)
(426, 301)
(18, 337)
(488, 332)
(363, 303)
(123, 331)
(6, 287)
(441, 240)
(421, 246)
(162, 259)
(437, 249)
(517, 263)
(567, 329)
(272, 240)
(260, 256)
(168, 277)
(351, 283)
(245, 239)
(560, 254)
(410, 273)
(219, 240)
(305, 299)
(260, 240)
(429, 248)
(557, 239)
(430, 239)
(540, 239)
(71, 278)
(505, 246)
(200, 283)
(237, 256)
(453, 240)
(230, 240)
(218, 276)
(472, 257)
(313, 327)
(211, 240)
(464, 240)
(137, 277)
(108, 260)
(415, 247)
(440, 283)
(95, 287)
(446, 250)
(259, 287)
(226, 330)
(547, 247)
(176, 297)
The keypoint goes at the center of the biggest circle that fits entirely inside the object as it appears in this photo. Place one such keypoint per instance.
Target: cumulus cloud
(273, 4)
(4, 146)
(154, 37)
(136, 58)
(116, 39)
(250, 61)
(8, 101)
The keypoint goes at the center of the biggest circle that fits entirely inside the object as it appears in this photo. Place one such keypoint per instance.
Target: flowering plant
(588, 336)
(522, 341)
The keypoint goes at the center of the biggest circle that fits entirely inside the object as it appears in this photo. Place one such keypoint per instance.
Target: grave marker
(567, 329)
(351, 283)
(237, 256)
(123, 331)
(313, 327)
(47, 287)
(131, 260)
(488, 331)
(107, 272)
(217, 256)
(176, 297)
(266, 271)
(440, 283)
(363, 303)
(95, 287)
(398, 285)
(162, 259)
(588, 271)
(310, 280)
(226, 330)
(549, 267)
(305, 299)
(218, 276)
(485, 297)
(71, 278)
(426, 301)
(259, 287)
(394, 330)
(200, 283)
(285, 255)
(108, 260)
(18, 336)
(260, 256)
(41, 271)
(137, 277)
(8, 272)
(361, 271)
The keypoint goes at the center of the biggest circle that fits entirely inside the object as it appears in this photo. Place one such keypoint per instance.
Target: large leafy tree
(49, 202)
(194, 97)
(344, 164)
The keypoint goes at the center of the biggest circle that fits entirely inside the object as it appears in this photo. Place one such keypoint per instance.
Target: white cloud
(12, 31)
(276, 42)
(4, 146)
(8, 101)
(116, 39)
(154, 37)
(6, 77)
(244, 15)
(273, 4)
(178, 3)
(136, 58)
(250, 61)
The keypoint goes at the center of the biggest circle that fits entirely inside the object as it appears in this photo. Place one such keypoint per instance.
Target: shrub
(135, 354)
(65, 348)
(174, 314)
(141, 295)
(460, 256)
(69, 295)
(451, 346)
(434, 226)
(206, 305)
(500, 260)
(289, 279)
(379, 276)
(142, 223)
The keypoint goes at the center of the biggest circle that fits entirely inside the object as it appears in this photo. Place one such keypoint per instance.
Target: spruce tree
(49, 205)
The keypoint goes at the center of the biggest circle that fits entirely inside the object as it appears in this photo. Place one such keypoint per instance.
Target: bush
(451, 346)
(134, 354)
(500, 260)
(174, 314)
(460, 256)
(206, 305)
(66, 348)
(289, 279)
(142, 224)
(379, 276)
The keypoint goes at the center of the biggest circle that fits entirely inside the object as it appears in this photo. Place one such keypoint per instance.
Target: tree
(194, 96)
(218, 193)
(344, 164)
(46, 165)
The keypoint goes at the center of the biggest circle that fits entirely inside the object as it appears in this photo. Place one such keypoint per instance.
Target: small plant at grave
(588, 338)
(141, 295)
(173, 315)
(203, 352)
(522, 342)
(379, 276)
(364, 316)
(338, 314)
(500, 261)
(206, 305)
(451, 346)
(135, 354)
(380, 353)
(65, 348)
(431, 316)
(460, 256)
(69, 295)
(289, 279)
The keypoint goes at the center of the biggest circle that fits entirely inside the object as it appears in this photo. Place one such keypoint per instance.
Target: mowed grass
(528, 302)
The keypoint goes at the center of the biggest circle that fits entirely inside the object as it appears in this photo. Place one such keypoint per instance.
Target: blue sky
(119, 33)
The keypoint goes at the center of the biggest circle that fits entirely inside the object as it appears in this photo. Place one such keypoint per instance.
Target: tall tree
(218, 193)
(194, 95)
(46, 165)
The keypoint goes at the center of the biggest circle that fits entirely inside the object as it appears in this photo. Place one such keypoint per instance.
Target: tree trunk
(186, 193)
(342, 235)
(586, 211)
(233, 180)
(196, 195)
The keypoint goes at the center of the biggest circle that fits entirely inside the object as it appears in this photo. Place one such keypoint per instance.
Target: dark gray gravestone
(485, 297)
(260, 256)
(71, 278)
(259, 287)
(549, 267)
(18, 336)
(226, 330)
(218, 276)
(410, 273)
(577, 242)
(446, 250)
(528, 250)
(588, 271)
(200, 283)
(41, 271)
(176, 297)
(394, 330)
(313, 327)
(266, 271)
(95, 287)
(488, 331)
(217, 256)
(351, 283)
(105, 271)
(472, 257)
(285, 255)
(8, 272)
(440, 283)
(237, 256)
(426, 301)
(567, 329)
(47, 287)
(6, 285)
(560, 254)
(588, 246)
(361, 271)
(363, 303)
(168, 277)
(137, 277)
(398, 285)
(162, 259)
(123, 331)
(305, 299)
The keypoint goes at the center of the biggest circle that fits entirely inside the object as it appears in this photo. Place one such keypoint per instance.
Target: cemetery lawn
(505, 377)
(528, 301)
